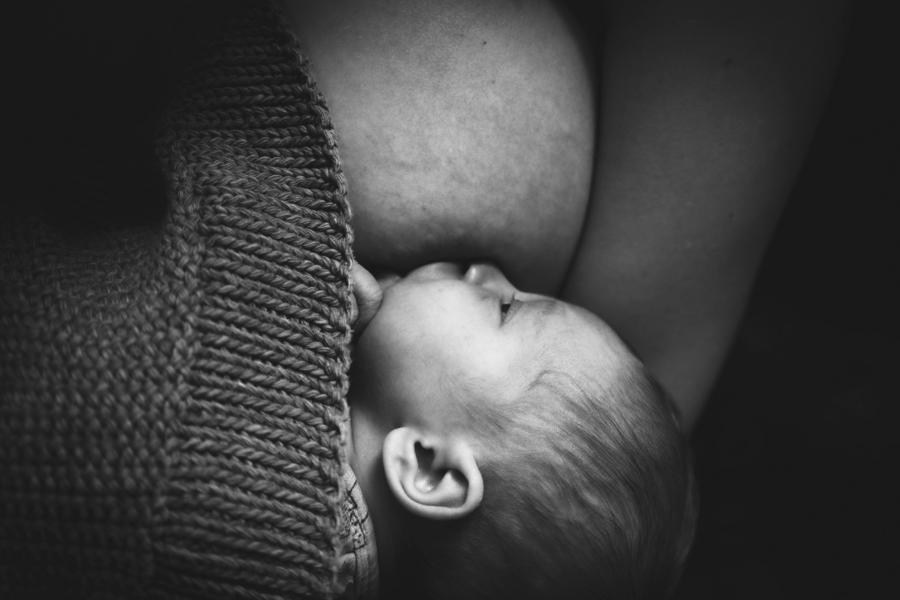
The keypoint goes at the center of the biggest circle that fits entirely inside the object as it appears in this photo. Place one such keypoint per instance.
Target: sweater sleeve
(172, 392)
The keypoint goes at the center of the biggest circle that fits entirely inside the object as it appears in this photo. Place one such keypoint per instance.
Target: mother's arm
(707, 109)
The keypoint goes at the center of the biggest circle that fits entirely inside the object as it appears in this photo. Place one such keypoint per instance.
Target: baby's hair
(589, 492)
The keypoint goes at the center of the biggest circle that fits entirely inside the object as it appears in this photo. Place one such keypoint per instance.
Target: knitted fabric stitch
(172, 396)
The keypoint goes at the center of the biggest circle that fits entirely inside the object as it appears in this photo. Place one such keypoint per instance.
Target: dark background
(798, 452)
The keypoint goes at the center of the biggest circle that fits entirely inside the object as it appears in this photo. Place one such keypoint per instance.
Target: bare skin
(467, 133)
(458, 140)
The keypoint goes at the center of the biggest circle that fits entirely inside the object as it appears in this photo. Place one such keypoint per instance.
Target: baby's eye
(505, 306)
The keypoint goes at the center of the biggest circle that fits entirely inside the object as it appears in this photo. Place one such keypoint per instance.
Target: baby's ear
(432, 476)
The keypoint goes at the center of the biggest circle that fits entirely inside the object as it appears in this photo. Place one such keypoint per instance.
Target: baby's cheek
(494, 370)
(385, 358)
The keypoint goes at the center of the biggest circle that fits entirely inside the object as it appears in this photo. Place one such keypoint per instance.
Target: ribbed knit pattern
(172, 395)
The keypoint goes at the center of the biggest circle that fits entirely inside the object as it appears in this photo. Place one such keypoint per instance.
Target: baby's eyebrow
(543, 309)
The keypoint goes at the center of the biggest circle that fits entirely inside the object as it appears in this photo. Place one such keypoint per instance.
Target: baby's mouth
(436, 271)
(387, 280)
(366, 297)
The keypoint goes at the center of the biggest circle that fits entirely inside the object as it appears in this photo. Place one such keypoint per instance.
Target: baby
(508, 444)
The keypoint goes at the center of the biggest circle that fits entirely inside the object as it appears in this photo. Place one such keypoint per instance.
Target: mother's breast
(465, 129)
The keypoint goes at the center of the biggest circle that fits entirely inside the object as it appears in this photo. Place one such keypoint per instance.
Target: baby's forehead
(575, 340)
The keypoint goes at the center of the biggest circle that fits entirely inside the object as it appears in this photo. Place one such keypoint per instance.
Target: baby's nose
(487, 275)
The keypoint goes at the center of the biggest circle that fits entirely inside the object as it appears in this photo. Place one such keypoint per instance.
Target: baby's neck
(364, 456)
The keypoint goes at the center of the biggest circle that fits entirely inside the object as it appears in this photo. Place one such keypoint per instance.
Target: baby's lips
(386, 281)
(367, 293)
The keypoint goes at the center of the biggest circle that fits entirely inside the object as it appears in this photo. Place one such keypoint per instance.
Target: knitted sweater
(172, 392)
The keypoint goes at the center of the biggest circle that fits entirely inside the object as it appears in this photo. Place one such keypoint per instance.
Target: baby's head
(510, 445)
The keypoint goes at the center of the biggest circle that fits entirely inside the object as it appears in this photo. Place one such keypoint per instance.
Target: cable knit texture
(172, 394)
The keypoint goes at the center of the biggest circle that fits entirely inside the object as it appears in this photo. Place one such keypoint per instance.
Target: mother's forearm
(706, 112)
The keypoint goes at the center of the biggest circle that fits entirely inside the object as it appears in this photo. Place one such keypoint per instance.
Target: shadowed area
(798, 449)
